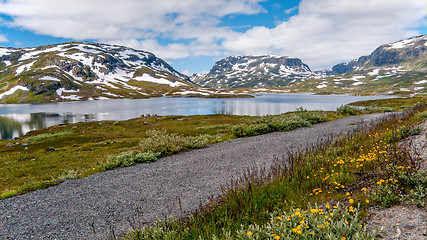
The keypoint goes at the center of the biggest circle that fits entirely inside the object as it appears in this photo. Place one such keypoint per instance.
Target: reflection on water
(17, 119)
(17, 124)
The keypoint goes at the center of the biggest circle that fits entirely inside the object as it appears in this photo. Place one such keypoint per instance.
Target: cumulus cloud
(3, 39)
(323, 32)
(329, 31)
(139, 23)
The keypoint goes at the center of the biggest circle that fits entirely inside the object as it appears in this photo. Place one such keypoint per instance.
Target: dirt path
(109, 201)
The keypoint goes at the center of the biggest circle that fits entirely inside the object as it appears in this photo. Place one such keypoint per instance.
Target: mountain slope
(412, 50)
(85, 71)
(394, 68)
(254, 71)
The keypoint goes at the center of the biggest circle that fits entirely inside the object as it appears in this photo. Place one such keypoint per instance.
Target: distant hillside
(85, 71)
(254, 72)
(409, 53)
(395, 68)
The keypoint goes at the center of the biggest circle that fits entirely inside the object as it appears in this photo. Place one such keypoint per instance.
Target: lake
(18, 119)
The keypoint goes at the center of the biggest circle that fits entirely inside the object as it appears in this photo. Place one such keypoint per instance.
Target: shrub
(346, 110)
(8, 194)
(169, 143)
(70, 174)
(386, 194)
(130, 158)
(281, 123)
(44, 136)
(339, 222)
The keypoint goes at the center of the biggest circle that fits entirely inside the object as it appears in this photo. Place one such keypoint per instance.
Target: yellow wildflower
(249, 233)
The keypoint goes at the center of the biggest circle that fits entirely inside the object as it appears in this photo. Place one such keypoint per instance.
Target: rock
(101, 123)
(50, 149)
(10, 145)
(116, 123)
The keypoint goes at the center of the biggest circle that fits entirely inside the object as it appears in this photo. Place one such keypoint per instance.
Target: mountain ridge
(392, 68)
(85, 71)
(89, 71)
(246, 71)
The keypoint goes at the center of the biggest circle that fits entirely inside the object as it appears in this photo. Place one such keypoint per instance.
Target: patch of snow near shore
(70, 97)
(12, 90)
(421, 82)
(193, 92)
(322, 86)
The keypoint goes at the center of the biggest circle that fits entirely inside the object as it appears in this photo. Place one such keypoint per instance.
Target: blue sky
(191, 35)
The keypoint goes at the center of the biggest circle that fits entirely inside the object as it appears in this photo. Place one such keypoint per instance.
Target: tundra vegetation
(323, 193)
(292, 200)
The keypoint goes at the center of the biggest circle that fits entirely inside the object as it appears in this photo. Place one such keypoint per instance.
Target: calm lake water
(17, 119)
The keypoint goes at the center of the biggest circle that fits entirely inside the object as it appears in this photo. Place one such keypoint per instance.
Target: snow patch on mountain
(13, 90)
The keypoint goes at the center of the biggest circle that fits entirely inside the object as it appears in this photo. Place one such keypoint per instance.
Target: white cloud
(287, 11)
(187, 72)
(3, 39)
(329, 31)
(139, 23)
(323, 33)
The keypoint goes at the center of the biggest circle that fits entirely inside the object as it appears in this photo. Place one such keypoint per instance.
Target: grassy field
(320, 194)
(46, 157)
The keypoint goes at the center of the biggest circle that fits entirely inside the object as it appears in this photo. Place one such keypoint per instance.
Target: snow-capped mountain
(85, 71)
(412, 50)
(394, 68)
(254, 72)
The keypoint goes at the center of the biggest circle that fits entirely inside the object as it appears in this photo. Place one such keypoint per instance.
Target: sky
(192, 35)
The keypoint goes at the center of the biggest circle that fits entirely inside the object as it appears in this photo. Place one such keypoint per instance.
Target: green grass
(393, 103)
(353, 173)
(40, 158)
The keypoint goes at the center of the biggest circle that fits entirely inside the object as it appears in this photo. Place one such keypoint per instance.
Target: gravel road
(95, 206)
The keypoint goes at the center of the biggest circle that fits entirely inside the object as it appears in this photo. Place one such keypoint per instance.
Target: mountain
(254, 72)
(394, 68)
(412, 50)
(85, 71)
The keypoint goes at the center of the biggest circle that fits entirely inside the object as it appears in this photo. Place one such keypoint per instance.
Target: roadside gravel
(107, 202)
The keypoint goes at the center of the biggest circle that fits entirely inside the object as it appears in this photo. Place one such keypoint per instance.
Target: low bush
(130, 158)
(8, 194)
(70, 174)
(44, 136)
(165, 144)
(337, 222)
(278, 123)
(386, 194)
(347, 110)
